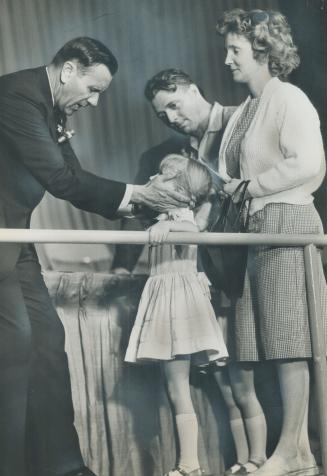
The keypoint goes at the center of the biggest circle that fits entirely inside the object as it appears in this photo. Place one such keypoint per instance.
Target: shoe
(233, 469)
(84, 471)
(181, 472)
(243, 469)
(310, 471)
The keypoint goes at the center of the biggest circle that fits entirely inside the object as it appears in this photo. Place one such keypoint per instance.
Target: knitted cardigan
(282, 151)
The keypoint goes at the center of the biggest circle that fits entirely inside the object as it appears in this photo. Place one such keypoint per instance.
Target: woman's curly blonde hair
(269, 34)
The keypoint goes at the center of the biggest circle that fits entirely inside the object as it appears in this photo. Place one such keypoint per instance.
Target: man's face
(179, 109)
(82, 88)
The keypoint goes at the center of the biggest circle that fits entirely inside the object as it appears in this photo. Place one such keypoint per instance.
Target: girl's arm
(202, 215)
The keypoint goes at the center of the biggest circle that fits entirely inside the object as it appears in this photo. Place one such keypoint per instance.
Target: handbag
(225, 265)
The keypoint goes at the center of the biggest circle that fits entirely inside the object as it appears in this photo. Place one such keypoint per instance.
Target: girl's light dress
(175, 316)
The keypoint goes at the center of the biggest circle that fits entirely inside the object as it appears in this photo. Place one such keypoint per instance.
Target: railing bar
(142, 237)
(318, 343)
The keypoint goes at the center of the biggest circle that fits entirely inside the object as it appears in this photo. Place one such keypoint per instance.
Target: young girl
(176, 323)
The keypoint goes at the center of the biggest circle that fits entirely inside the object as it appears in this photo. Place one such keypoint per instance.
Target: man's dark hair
(166, 80)
(88, 52)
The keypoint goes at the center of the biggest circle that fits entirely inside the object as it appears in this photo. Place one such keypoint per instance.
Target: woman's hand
(230, 187)
(159, 232)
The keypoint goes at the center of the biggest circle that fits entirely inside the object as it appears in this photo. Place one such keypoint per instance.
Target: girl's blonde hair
(192, 177)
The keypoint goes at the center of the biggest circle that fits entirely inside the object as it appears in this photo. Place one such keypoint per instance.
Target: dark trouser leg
(15, 339)
(52, 441)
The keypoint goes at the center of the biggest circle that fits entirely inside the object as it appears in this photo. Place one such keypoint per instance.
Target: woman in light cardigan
(274, 140)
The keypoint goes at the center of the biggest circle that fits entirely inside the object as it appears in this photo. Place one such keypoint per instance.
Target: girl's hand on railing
(158, 232)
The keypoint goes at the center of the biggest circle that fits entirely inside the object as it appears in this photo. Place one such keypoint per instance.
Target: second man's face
(178, 109)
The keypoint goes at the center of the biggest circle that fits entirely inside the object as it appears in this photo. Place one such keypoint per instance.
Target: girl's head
(188, 176)
(269, 36)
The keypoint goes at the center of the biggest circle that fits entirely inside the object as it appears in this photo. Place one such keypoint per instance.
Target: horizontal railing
(311, 263)
(17, 235)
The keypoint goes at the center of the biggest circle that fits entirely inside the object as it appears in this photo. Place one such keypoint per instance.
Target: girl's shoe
(233, 469)
(244, 470)
(181, 472)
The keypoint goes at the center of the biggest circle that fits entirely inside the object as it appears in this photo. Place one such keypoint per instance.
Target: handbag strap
(241, 188)
(247, 219)
(243, 204)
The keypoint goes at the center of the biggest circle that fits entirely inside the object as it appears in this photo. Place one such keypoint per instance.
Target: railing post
(318, 343)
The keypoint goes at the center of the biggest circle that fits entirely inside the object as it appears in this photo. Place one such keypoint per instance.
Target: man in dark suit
(37, 435)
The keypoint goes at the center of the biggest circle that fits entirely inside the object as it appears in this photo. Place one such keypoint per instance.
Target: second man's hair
(166, 80)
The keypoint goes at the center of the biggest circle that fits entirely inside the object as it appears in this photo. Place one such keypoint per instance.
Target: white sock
(256, 430)
(187, 429)
(240, 440)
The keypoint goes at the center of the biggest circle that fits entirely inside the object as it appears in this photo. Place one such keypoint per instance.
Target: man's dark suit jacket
(32, 161)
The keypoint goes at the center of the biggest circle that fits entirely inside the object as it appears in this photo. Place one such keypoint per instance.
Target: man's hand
(159, 232)
(159, 195)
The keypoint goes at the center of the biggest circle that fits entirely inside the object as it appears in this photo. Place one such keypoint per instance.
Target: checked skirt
(271, 318)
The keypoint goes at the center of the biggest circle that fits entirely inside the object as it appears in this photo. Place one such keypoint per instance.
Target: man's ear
(194, 89)
(67, 71)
